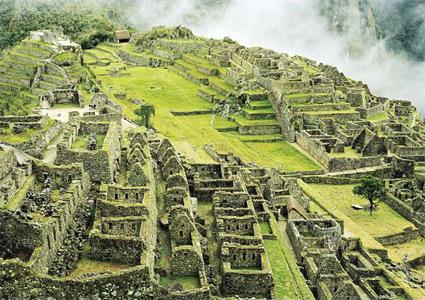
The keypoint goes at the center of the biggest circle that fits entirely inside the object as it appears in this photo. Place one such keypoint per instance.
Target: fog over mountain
(382, 58)
(381, 42)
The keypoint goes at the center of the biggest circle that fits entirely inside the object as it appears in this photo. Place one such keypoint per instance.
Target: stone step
(257, 127)
(347, 115)
(264, 114)
(53, 79)
(210, 95)
(9, 88)
(19, 57)
(255, 95)
(259, 105)
(321, 107)
(39, 45)
(184, 65)
(12, 67)
(38, 91)
(22, 82)
(220, 86)
(35, 53)
(47, 85)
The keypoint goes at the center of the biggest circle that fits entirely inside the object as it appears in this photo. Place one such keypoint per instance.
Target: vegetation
(337, 201)
(145, 112)
(87, 23)
(372, 189)
(169, 92)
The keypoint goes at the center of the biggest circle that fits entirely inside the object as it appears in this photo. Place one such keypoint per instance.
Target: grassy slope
(337, 200)
(170, 92)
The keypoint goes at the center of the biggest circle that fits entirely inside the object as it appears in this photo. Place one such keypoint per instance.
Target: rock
(357, 207)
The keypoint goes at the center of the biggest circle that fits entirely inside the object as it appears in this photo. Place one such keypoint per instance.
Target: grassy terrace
(337, 201)
(246, 122)
(187, 282)
(86, 265)
(26, 135)
(170, 92)
(327, 112)
(379, 117)
(82, 140)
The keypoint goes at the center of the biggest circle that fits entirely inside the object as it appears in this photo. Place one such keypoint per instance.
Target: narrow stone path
(49, 154)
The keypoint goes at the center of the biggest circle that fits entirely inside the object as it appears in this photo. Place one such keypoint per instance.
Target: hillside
(163, 165)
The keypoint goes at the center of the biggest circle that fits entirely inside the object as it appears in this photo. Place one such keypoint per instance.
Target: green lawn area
(86, 265)
(170, 92)
(337, 199)
(379, 117)
(82, 140)
(187, 282)
(413, 249)
(265, 227)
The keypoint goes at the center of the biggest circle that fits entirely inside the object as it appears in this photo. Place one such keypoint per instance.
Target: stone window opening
(181, 233)
(234, 257)
(110, 226)
(136, 196)
(54, 235)
(253, 256)
(48, 242)
(244, 256)
(237, 226)
(126, 196)
(70, 178)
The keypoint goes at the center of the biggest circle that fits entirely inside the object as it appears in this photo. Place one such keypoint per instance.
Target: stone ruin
(129, 200)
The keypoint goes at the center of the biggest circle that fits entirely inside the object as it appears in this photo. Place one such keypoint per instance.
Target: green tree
(145, 112)
(371, 188)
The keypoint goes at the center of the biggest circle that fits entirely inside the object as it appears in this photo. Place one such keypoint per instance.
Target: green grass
(379, 117)
(246, 122)
(289, 282)
(282, 155)
(265, 228)
(301, 95)
(333, 112)
(15, 202)
(413, 249)
(80, 142)
(187, 282)
(86, 265)
(170, 92)
(28, 134)
(337, 199)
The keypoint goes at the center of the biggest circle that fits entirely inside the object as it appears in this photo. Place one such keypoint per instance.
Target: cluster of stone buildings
(128, 200)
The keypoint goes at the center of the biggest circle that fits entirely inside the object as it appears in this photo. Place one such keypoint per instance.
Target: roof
(122, 34)
(293, 204)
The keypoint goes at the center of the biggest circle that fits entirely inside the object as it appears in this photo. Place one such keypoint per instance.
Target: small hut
(121, 36)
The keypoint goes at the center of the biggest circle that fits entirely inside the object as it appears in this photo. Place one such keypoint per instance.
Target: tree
(145, 112)
(371, 188)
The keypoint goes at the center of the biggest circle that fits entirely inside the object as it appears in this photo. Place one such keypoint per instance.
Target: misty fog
(294, 27)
